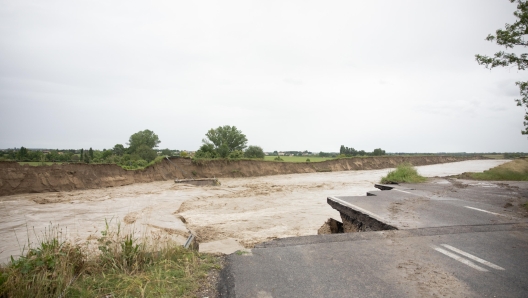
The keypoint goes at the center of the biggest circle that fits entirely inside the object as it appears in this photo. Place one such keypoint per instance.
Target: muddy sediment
(18, 179)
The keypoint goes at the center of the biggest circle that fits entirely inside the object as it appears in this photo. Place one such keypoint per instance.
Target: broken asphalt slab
(438, 247)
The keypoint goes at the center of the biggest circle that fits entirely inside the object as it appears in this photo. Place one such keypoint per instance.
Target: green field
(298, 158)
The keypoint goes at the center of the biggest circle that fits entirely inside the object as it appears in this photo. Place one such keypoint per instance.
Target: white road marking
(474, 258)
(459, 258)
(402, 191)
(485, 211)
(357, 208)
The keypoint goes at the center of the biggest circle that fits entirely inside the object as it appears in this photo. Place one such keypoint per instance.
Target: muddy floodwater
(240, 213)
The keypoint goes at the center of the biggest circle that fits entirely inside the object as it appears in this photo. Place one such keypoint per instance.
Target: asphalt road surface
(450, 238)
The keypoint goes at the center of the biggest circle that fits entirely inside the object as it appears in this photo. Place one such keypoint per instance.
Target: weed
(516, 170)
(194, 173)
(44, 271)
(125, 267)
(241, 252)
(403, 173)
(307, 160)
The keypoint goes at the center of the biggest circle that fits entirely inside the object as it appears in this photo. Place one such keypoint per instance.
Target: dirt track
(16, 179)
(242, 210)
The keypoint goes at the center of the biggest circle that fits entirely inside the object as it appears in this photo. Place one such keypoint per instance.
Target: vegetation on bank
(404, 173)
(123, 267)
(515, 170)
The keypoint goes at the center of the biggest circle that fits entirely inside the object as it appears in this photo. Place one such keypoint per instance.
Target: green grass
(515, 170)
(298, 158)
(494, 156)
(124, 267)
(404, 173)
(39, 163)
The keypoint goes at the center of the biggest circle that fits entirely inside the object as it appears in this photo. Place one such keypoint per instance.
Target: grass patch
(124, 267)
(494, 156)
(404, 173)
(297, 158)
(39, 163)
(515, 170)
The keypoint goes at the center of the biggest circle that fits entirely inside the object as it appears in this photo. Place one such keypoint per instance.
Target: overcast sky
(291, 75)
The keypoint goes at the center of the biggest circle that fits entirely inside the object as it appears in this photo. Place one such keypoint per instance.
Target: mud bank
(17, 179)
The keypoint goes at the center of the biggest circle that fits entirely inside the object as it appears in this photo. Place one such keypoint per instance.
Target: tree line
(349, 152)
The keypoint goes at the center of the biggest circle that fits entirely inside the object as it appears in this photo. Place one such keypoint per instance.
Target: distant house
(281, 153)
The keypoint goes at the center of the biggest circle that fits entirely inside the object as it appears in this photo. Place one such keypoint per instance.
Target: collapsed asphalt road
(446, 238)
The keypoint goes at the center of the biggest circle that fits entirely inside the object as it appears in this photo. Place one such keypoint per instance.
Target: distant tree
(206, 151)
(119, 150)
(86, 158)
(226, 139)
(145, 137)
(91, 153)
(22, 153)
(82, 154)
(166, 152)
(378, 152)
(254, 152)
(146, 153)
(513, 35)
(106, 154)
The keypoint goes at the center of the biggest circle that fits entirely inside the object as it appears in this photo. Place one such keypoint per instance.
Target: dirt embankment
(16, 179)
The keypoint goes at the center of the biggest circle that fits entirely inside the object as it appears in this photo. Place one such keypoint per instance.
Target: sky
(291, 75)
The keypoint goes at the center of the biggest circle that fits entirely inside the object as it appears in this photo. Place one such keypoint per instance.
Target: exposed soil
(17, 179)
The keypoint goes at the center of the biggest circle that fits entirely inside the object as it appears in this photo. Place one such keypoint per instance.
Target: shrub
(254, 152)
(236, 154)
(403, 173)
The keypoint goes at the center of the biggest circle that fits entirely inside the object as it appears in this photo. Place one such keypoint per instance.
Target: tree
(119, 150)
(106, 154)
(22, 153)
(145, 137)
(91, 153)
(511, 36)
(82, 154)
(166, 152)
(146, 153)
(254, 152)
(205, 151)
(378, 152)
(225, 140)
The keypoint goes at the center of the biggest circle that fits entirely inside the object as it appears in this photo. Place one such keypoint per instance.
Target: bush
(254, 152)
(307, 160)
(278, 158)
(404, 173)
(237, 154)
